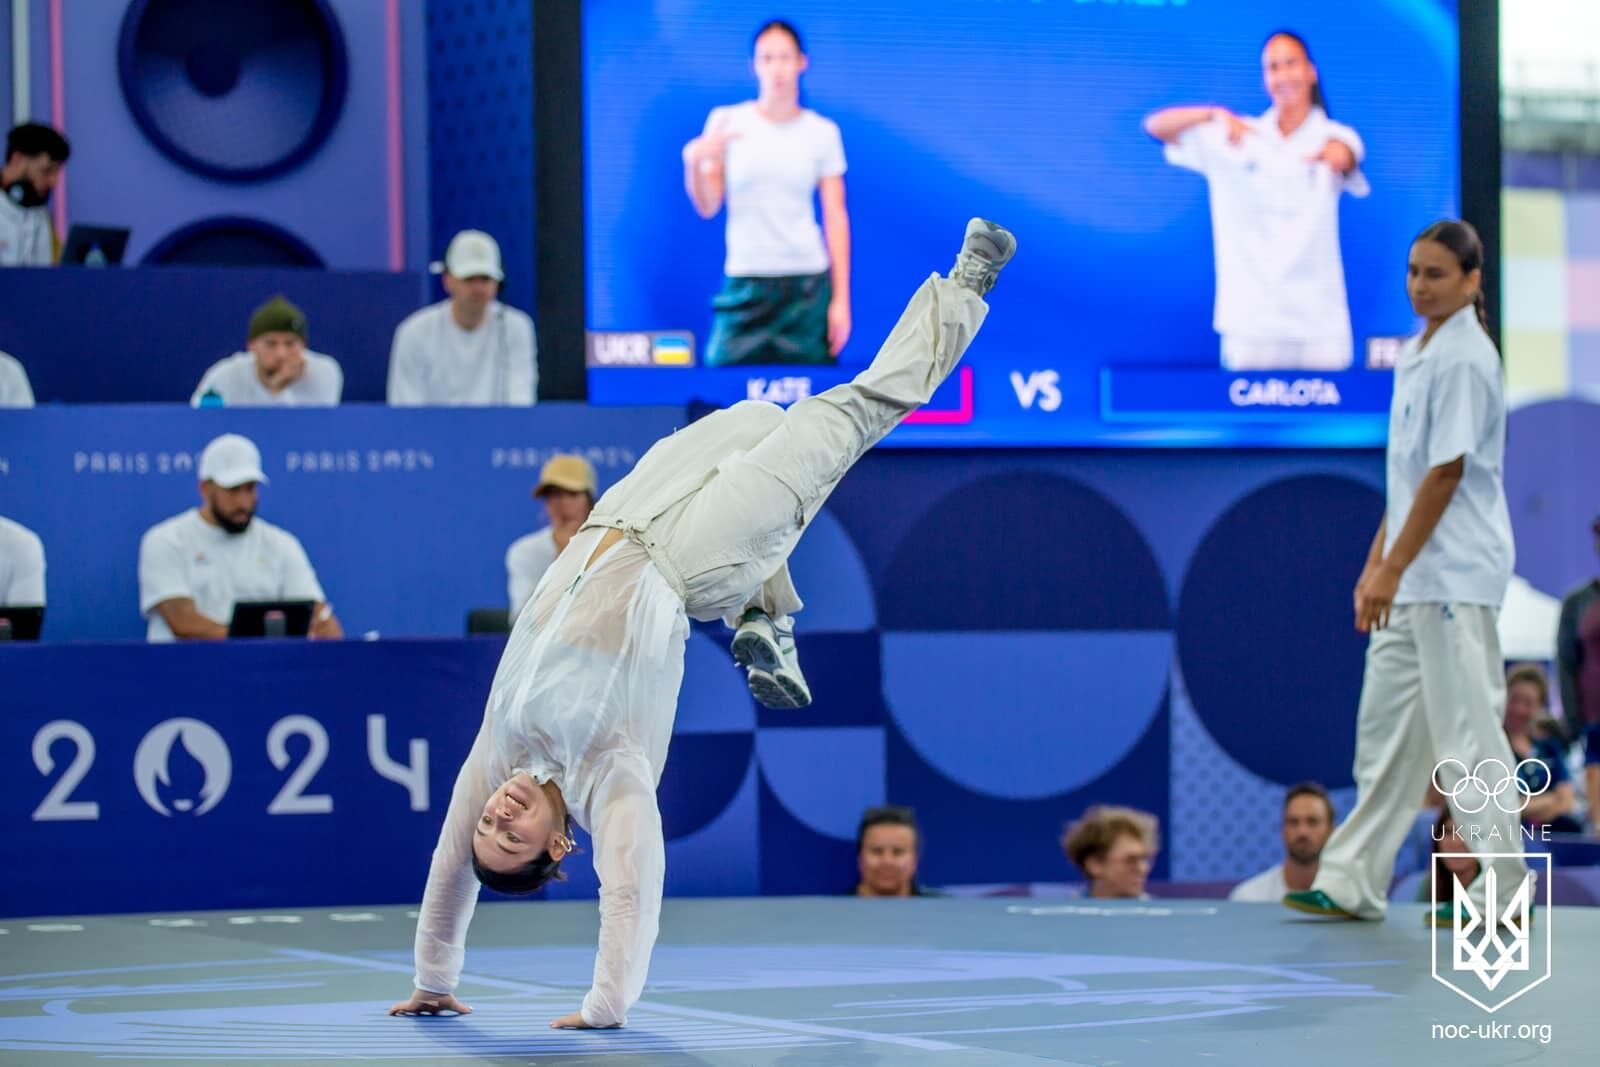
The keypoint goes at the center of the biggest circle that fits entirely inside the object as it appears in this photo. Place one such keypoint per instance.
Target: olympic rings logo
(1475, 785)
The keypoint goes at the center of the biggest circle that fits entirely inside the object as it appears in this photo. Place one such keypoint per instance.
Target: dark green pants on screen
(770, 320)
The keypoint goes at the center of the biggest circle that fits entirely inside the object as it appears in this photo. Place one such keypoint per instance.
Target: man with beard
(35, 155)
(1307, 822)
(194, 567)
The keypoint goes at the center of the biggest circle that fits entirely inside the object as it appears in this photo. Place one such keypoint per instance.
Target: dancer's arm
(630, 858)
(1168, 124)
(1433, 495)
(452, 891)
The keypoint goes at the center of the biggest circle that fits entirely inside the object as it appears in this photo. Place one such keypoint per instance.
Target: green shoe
(1316, 902)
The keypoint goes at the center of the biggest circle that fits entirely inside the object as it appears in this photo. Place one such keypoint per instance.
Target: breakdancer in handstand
(581, 709)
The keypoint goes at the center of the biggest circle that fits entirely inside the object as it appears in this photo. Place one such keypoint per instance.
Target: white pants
(1284, 353)
(767, 471)
(1433, 690)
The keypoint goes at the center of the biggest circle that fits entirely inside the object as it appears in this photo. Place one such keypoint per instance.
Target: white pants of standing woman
(720, 504)
(1433, 691)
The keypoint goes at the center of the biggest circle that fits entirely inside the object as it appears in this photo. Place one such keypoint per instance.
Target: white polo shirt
(21, 566)
(25, 235)
(15, 392)
(185, 556)
(234, 379)
(526, 561)
(1268, 887)
(1275, 226)
(771, 176)
(1449, 401)
(435, 362)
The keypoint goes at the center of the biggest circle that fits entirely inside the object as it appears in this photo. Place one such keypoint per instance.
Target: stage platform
(794, 981)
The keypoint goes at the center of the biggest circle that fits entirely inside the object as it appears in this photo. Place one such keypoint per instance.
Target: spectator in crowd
(567, 487)
(35, 155)
(1541, 761)
(1114, 847)
(194, 567)
(15, 392)
(888, 846)
(278, 370)
(1307, 822)
(470, 349)
(21, 566)
(1578, 670)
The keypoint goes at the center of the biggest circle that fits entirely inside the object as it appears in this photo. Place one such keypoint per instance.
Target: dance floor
(799, 981)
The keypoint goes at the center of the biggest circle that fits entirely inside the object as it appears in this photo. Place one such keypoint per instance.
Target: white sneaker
(988, 247)
(768, 653)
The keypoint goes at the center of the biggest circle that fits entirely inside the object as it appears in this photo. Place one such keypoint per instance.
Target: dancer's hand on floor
(575, 1022)
(423, 1002)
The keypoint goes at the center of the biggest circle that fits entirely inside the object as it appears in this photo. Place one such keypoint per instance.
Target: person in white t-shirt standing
(15, 390)
(194, 567)
(1433, 694)
(21, 566)
(567, 487)
(35, 154)
(277, 369)
(1307, 822)
(786, 297)
(468, 350)
(1275, 183)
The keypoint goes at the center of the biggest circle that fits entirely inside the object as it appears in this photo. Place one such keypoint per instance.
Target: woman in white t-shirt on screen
(786, 298)
(1275, 183)
(1433, 692)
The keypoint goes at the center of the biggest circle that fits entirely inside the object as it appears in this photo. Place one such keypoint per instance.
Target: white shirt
(234, 379)
(1275, 225)
(435, 362)
(1449, 401)
(526, 561)
(25, 235)
(585, 695)
(1265, 888)
(185, 556)
(15, 392)
(771, 176)
(21, 566)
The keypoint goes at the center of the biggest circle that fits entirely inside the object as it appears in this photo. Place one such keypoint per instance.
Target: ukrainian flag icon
(671, 350)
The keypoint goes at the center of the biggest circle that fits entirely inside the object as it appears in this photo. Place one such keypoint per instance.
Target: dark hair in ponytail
(1463, 242)
(1318, 99)
(786, 27)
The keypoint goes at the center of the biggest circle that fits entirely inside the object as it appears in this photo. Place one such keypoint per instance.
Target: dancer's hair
(530, 878)
(786, 27)
(1318, 98)
(1463, 242)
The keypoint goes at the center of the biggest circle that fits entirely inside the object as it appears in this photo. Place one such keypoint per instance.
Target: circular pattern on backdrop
(240, 99)
(232, 241)
(1266, 638)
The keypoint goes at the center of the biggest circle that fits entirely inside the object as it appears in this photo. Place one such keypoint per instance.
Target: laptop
(95, 246)
(20, 623)
(271, 618)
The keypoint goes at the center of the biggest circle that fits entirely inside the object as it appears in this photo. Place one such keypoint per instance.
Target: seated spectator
(15, 392)
(35, 155)
(1578, 668)
(1443, 870)
(1115, 848)
(567, 487)
(470, 349)
(1542, 765)
(194, 567)
(277, 369)
(888, 846)
(1307, 822)
(21, 566)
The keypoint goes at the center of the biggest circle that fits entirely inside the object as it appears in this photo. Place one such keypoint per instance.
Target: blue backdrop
(1031, 114)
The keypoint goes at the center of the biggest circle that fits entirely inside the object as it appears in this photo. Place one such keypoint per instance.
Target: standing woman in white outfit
(786, 296)
(1433, 695)
(1275, 183)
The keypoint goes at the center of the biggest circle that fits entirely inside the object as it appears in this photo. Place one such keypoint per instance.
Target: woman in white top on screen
(1275, 183)
(786, 298)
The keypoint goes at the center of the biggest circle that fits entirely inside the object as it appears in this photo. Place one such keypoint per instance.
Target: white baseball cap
(231, 461)
(473, 254)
